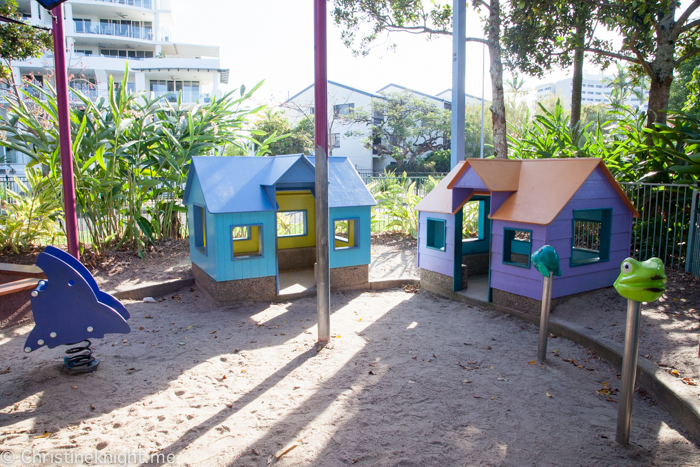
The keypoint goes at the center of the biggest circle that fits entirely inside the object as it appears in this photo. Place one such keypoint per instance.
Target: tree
(409, 127)
(658, 36)
(541, 34)
(293, 139)
(411, 16)
(682, 86)
(18, 42)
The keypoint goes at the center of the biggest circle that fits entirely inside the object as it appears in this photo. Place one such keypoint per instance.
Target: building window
(171, 89)
(592, 229)
(116, 53)
(334, 140)
(346, 233)
(470, 221)
(436, 234)
(343, 109)
(246, 241)
(291, 224)
(85, 53)
(82, 25)
(200, 228)
(517, 247)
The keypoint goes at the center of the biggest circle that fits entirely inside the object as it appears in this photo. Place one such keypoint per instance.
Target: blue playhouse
(574, 205)
(252, 217)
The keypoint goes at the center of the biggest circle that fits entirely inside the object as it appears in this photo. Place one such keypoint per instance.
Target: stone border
(657, 383)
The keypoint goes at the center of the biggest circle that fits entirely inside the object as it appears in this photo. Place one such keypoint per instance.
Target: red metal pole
(323, 280)
(64, 130)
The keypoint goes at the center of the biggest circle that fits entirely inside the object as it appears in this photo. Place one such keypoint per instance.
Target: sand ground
(408, 379)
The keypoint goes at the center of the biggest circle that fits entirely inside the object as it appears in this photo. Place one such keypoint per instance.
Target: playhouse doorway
(296, 241)
(476, 247)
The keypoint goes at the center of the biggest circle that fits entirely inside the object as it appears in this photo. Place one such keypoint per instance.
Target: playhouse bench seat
(21, 270)
(18, 286)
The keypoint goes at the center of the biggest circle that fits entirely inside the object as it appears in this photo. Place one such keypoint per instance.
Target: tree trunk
(577, 82)
(662, 71)
(498, 107)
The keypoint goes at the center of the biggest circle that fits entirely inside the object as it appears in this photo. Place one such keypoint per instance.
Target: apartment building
(347, 139)
(102, 35)
(595, 89)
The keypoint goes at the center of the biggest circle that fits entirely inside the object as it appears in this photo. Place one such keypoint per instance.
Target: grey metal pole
(691, 227)
(629, 371)
(483, 82)
(544, 317)
(459, 73)
(323, 274)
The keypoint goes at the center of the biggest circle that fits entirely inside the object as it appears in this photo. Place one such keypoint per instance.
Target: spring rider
(69, 309)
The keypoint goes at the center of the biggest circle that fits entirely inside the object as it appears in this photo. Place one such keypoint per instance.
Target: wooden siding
(514, 279)
(438, 261)
(595, 193)
(352, 256)
(206, 262)
(246, 268)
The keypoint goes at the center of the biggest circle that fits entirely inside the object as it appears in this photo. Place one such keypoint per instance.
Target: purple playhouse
(479, 226)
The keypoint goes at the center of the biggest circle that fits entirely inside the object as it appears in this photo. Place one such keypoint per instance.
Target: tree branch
(691, 25)
(686, 56)
(483, 3)
(678, 28)
(640, 58)
(477, 39)
(612, 55)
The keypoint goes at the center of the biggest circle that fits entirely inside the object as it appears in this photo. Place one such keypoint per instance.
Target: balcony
(117, 30)
(138, 3)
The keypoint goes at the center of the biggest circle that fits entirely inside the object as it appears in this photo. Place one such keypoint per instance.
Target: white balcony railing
(139, 3)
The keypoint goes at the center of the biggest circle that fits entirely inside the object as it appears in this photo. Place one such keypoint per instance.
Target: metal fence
(692, 262)
(663, 226)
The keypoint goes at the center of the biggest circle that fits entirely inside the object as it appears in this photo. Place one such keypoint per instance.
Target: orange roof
(542, 187)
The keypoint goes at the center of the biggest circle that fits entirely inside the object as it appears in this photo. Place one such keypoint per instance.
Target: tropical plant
(30, 216)
(131, 154)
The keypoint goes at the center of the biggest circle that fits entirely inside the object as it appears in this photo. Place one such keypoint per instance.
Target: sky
(272, 40)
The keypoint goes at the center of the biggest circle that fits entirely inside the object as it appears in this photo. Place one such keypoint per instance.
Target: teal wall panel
(245, 268)
(352, 256)
(206, 262)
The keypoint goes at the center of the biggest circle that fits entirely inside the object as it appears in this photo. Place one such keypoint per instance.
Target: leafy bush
(131, 154)
(32, 216)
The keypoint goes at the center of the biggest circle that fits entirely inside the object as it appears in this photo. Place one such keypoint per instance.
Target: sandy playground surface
(408, 379)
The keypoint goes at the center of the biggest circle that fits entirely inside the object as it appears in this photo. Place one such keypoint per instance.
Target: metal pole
(691, 228)
(323, 279)
(544, 317)
(459, 67)
(64, 130)
(483, 82)
(629, 371)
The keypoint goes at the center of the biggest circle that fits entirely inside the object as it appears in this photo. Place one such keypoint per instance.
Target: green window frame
(517, 247)
(200, 228)
(436, 237)
(591, 233)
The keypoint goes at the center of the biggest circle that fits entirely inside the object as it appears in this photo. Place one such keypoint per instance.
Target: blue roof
(237, 184)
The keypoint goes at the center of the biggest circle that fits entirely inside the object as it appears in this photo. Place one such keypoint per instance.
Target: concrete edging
(655, 381)
(152, 290)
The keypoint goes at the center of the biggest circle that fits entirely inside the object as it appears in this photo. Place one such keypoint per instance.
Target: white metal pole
(544, 316)
(459, 66)
(629, 371)
(483, 82)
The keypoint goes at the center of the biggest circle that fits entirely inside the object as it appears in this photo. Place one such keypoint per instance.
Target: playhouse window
(246, 241)
(291, 224)
(591, 236)
(200, 228)
(346, 233)
(517, 247)
(471, 221)
(436, 234)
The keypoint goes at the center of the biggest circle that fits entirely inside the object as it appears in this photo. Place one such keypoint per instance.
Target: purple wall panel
(563, 286)
(497, 199)
(458, 197)
(431, 263)
(518, 285)
(470, 180)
